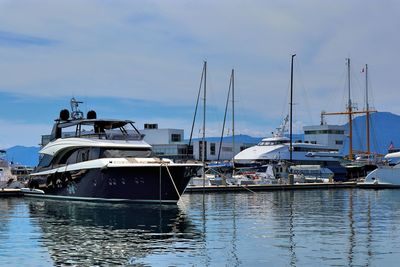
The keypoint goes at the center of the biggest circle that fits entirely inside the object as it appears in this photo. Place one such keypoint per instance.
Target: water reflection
(304, 228)
(108, 234)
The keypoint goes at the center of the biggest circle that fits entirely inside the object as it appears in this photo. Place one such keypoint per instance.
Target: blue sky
(142, 60)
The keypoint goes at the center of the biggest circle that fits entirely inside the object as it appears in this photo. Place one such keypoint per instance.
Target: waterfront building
(328, 135)
(167, 142)
(213, 144)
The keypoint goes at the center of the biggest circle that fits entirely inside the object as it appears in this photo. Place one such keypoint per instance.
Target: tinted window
(45, 160)
(126, 153)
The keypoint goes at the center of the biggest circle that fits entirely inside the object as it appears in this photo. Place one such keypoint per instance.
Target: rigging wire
(303, 89)
(371, 97)
(195, 110)
(223, 125)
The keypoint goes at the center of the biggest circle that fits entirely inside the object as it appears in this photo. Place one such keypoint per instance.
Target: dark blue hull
(137, 184)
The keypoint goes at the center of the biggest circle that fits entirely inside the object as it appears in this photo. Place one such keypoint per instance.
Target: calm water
(310, 228)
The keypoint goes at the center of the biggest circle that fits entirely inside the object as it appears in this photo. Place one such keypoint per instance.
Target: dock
(286, 187)
(10, 192)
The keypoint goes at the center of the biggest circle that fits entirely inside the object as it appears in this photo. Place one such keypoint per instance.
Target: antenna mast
(203, 144)
(291, 109)
(367, 109)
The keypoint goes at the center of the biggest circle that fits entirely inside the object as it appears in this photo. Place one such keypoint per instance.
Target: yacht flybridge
(104, 160)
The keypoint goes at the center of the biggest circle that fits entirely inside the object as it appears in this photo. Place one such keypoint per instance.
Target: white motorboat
(387, 174)
(6, 177)
(311, 174)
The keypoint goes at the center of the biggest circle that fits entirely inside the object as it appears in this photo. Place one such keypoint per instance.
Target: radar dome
(64, 115)
(91, 115)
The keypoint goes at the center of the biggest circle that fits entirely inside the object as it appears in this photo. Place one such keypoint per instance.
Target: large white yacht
(321, 146)
(104, 160)
(387, 174)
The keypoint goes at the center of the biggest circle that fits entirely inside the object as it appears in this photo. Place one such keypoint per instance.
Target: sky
(142, 60)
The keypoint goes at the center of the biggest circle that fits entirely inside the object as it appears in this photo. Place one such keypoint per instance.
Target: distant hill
(385, 128)
(23, 155)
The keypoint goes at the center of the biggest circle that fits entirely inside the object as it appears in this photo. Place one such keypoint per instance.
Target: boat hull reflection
(87, 234)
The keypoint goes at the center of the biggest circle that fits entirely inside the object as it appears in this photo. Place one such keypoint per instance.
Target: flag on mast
(391, 146)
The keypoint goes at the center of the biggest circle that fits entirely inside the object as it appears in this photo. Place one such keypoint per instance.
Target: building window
(339, 142)
(151, 126)
(212, 149)
(324, 132)
(176, 138)
(226, 149)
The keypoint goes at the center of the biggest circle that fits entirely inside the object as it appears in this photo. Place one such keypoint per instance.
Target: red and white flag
(391, 146)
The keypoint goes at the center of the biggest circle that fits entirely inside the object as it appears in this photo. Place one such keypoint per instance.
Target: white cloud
(15, 133)
(154, 50)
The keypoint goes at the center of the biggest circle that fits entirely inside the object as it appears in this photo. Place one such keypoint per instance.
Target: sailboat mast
(291, 109)
(195, 113)
(349, 109)
(367, 109)
(226, 110)
(233, 113)
(203, 144)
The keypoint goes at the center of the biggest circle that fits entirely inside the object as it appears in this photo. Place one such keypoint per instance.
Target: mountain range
(384, 130)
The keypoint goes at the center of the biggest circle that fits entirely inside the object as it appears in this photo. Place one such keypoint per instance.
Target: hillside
(384, 129)
(23, 155)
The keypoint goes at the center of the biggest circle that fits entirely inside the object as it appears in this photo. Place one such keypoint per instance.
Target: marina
(199, 133)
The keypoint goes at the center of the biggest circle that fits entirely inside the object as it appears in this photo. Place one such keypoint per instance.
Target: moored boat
(6, 177)
(386, 175)
(105, 160)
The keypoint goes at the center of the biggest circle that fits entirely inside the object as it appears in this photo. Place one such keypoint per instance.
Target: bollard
(291, 179)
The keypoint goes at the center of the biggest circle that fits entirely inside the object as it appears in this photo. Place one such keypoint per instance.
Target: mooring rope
(172, 180)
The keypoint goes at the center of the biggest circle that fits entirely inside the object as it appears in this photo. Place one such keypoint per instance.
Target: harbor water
(336, 227)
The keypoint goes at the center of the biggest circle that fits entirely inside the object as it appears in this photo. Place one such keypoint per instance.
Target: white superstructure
(317, 147)
(328, 135)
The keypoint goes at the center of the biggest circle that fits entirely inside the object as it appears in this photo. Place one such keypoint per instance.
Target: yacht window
(126, 153)
(45, 160)
(83, 155)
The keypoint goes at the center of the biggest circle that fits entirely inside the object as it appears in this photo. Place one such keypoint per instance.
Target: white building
(168, 143)
(330, 135)
(212, 147)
